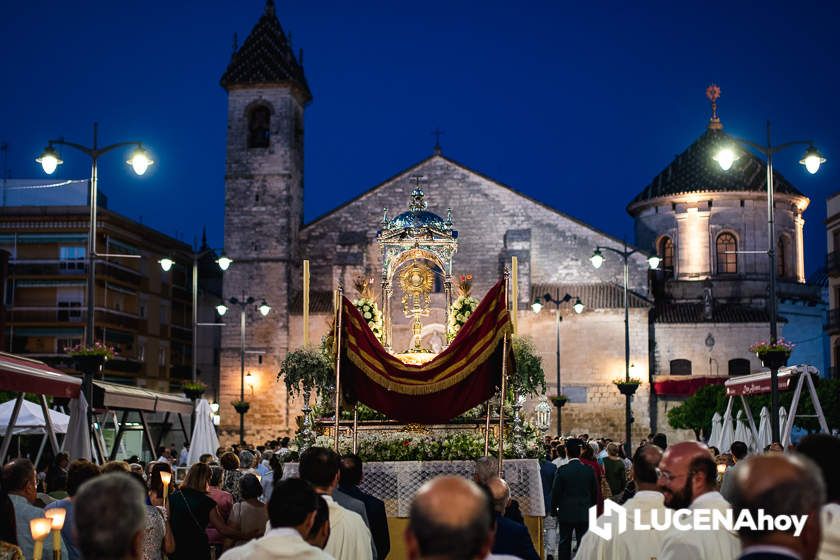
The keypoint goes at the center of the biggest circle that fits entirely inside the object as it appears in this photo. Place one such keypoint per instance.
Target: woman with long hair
(191, 511)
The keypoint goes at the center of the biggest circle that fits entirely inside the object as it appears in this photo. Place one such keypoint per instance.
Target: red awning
(759, 383)
(23, 375)
(671, 386)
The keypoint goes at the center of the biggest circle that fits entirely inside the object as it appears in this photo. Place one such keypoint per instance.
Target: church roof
(694, 170)
(688, 312)
(266, 57)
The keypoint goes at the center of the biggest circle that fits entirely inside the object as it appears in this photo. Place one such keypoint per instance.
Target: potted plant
(89, 359)
(241, 406)
(773, 355)
(193, 389)
(627, 386)
(559, 400)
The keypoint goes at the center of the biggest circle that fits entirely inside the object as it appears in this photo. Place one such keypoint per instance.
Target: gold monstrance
(417, 282)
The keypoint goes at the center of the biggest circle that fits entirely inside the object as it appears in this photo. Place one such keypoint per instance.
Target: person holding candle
(19, 481)
(79, 472)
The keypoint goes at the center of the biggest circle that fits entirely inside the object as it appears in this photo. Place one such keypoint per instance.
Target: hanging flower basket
(241, 406)
(89, 359)
(773, 356)
(627, 386)
(559, 401)
(194, 389)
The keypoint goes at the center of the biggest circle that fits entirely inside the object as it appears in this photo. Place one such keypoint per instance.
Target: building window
(666, 252)
(680, 367)
(69, 303)
(162, 356)
(739, 366)
(782, 255)
(259, 122)
(72, 258)
(727, 256)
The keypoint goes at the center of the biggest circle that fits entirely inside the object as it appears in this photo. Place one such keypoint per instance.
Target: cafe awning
(114, 396)
(759, 383)
(24, 375)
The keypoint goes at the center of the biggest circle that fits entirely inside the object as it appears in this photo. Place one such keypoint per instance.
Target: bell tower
(267, 94)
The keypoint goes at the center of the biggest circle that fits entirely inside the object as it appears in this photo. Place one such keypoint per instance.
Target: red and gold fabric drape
(459, 378)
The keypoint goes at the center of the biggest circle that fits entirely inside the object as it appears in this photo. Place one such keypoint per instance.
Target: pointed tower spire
(203, 238)
(269, 8)
(713, 93)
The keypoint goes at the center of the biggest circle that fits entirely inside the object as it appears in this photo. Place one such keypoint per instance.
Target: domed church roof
(695, 170)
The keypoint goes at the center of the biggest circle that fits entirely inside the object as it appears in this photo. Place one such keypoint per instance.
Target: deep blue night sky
(578, 104)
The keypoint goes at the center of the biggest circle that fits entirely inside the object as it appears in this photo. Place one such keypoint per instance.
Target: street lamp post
(578, 307)
(597, 260)
(50, 160)
(243, 304)
(223, 262)
(812, 159)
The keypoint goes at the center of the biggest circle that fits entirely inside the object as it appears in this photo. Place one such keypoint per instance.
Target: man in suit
(351, 478)
(779, 485)
(573, 493)
(512, 538)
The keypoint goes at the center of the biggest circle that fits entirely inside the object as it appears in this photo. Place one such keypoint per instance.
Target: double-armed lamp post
(597, 260)
(50, 160)
(812, 159)
(578, 307)
(244, 303)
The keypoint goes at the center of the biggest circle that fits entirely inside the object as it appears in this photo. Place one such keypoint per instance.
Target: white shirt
(631, 544)
(830, 544)
(349, 536)
(282, 542)
(702, 545)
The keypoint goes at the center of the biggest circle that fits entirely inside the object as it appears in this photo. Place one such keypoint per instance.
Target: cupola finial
(713, 93)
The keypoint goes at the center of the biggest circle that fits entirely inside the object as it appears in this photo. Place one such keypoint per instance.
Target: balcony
(832, 325)
(49, 315)
(832, 263)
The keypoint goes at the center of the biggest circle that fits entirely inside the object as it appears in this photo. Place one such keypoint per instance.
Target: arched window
(666, 252)
(727, 257)
(680, 367)
(782, 255)
(739, 366)
(259, 122)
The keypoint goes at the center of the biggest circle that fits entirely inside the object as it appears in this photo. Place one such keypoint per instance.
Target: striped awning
(24, 375)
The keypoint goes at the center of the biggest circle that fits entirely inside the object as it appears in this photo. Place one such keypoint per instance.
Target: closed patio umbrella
(204, 438)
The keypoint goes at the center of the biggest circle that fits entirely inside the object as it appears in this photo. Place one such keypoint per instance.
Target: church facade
(669, 318)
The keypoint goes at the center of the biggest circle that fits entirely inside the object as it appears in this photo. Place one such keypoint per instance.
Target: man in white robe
(687, 479)
(350, 538)
(291, 513)
(648, 499)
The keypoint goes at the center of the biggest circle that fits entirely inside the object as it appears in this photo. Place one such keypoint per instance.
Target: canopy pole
(355, 428)
(184, 428)
(514, 291)
(502, 407)
(49, 425)
(7, 439)
(339, 304)
(487, 429)
(163, 431)
(147, 434)
(748, 412)
(118, 439)
(306, 303)
(41, 449)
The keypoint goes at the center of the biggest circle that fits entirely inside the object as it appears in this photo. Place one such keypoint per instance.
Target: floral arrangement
(198, 386)
(367, 307)
(631, 381)
(528, 377)
(98, 349)
(241, 406)
(309, 368)
(462, 307)
(781, 345)
(406, 446)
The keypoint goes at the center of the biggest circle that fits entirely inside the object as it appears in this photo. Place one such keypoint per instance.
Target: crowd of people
(237, 504)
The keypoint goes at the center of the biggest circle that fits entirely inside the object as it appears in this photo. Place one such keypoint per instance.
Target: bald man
(512, 538)
(450, 518)
(780, 485)
(688, 479)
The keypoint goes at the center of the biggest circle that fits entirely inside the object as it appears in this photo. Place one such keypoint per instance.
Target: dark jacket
(547, 472)
(574, 492)
(765, 556)
(376, 516)
(513, 538)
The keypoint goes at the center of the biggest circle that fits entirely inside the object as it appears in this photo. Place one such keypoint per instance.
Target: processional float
(414, 384)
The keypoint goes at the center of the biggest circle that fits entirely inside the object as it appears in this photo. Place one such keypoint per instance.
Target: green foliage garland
(306, 367)
(528, 377)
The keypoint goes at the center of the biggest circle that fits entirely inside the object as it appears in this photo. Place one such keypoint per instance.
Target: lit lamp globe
(812, 160)
(537, 306)
(221, 309)
(140, 160)
(166, 263)
(725, 158)
(597, 258)
(264, 308)
(654, 262)
(224, 262)
(49, 160)
(578, 306)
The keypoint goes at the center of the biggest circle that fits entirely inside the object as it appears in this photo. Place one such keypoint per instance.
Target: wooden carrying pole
(514, 292)
(502, 408)
(339, 298)
(487, 429)
(305, 303)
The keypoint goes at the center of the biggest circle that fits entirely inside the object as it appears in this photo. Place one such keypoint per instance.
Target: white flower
(367, 316)
(467, 314)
